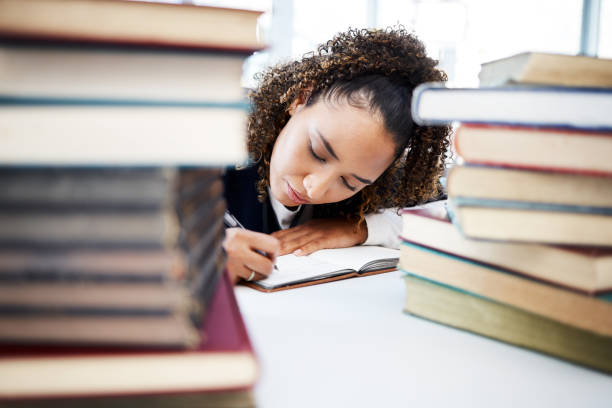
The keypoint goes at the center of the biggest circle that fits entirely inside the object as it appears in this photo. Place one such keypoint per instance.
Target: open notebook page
(324, 263)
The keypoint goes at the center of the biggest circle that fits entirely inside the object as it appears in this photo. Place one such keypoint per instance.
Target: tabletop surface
(348, 343)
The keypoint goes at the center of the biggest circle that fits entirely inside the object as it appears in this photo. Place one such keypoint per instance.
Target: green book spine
(448, 306)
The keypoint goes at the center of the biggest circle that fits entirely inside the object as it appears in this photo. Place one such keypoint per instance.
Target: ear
(300, 102)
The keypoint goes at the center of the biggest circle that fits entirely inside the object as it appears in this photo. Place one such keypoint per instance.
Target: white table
(348, 344)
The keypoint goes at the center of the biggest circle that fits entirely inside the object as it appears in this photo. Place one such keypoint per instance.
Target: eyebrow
(331, 151)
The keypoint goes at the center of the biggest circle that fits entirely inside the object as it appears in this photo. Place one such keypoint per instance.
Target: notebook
(327, 265)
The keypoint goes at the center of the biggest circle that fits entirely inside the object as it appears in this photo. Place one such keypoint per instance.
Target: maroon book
(223, 366)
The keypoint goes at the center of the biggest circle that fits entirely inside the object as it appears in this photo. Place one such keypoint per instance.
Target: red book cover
(223, 362)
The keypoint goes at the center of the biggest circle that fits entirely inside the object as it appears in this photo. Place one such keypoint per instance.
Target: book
(103, 282)
(73, 132)
(466, 311)
(163, 313)
(327, 265)
(565, 190)
(552, 149)
(102, 229)
(221, 370)
(109, 207)
(108, 255)
(580, 108)
(593, 313)
(533, 222)
(39, 69)
(108, 187)
(583, 269)
(137, 23)
(547, 69)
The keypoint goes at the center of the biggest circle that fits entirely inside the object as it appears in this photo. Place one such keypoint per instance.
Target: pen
(231, 222)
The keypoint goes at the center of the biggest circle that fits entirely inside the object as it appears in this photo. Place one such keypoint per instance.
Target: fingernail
(298, 252)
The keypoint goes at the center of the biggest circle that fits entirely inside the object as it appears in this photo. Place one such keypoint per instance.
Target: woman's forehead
(356, 136)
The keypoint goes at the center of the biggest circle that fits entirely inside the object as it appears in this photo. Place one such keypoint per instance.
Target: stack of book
(527, 257)
(108, 255)
(116, 118)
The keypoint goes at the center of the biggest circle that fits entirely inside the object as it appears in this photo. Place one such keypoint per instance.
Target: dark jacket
(240, 192)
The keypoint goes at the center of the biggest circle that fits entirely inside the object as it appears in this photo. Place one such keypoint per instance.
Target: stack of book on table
(116, 118)
(527, 257)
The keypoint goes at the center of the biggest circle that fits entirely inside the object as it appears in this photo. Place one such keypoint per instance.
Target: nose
(317, 185)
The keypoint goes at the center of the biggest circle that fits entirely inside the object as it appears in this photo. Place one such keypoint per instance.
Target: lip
(295, 196)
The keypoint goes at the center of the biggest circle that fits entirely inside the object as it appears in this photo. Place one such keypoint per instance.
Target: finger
(283, 233)
(312, 246)
(265, 243)
(243, 272)
(292, 242)
(290, 245)
(252, 276)
(262, 265)
(238, 271)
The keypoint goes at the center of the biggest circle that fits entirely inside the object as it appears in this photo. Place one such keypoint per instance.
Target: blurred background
(461, 34)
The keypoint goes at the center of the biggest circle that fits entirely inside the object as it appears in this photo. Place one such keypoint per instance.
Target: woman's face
(327, 152)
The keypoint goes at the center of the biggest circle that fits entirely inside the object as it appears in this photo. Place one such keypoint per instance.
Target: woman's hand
(319, 234)
(242, 259)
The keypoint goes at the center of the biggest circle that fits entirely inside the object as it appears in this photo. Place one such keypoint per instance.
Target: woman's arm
(384, 228)
(381, 228)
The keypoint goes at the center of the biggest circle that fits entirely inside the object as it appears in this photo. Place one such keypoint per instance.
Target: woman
(333, 144)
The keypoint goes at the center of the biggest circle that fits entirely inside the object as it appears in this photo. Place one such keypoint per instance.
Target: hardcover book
(139, 23)
(552, 149)
(580, 108)
(533, 222)
(547, 69)
(42, 69)
(566, 190)
(112, 132)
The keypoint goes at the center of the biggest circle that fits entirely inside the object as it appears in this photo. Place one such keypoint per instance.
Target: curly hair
(381, 67)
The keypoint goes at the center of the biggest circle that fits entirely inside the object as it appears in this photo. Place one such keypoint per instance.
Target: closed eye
(348, 185)
(316, 157)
